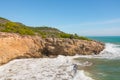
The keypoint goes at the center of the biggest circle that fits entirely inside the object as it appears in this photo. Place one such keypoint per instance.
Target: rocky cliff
(14, 46)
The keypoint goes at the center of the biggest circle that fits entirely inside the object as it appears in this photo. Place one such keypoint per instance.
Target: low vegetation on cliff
(44, 31)
(53, 43)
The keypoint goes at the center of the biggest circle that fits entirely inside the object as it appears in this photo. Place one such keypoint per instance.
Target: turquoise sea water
(107, 39)
(106, 65)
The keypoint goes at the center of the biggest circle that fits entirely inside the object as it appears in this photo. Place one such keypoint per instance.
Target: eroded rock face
(16, 46)
(58, 46)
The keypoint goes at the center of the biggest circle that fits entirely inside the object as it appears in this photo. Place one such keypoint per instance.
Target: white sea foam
(111, 51)
(60, 68)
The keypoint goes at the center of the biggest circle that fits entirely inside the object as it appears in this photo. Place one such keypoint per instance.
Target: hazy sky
(84, 17)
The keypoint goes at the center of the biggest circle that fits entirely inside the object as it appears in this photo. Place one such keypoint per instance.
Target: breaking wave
(111, 51)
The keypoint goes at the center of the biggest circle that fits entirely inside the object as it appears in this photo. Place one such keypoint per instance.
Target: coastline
(15, 46)
(51, 58)
(62, 67)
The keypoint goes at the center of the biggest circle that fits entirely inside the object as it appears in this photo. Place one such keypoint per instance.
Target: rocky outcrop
(71, 47)
(14, 46)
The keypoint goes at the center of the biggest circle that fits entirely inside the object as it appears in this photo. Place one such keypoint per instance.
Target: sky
(84, 17)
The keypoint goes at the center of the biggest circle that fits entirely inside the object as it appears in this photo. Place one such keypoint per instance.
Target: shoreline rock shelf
(14, 46)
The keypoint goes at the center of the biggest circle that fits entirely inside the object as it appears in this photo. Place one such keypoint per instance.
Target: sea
(106, 65)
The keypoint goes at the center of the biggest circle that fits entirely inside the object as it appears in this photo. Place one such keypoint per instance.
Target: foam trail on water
(81, 76)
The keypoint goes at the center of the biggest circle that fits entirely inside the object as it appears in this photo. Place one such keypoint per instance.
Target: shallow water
(102, 69)
(106, 65)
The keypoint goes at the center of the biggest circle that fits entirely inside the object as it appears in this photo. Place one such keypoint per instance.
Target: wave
(60, 68)
(111, 51)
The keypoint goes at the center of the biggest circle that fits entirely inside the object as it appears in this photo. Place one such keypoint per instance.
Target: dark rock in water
(14, 46)
(75, 67)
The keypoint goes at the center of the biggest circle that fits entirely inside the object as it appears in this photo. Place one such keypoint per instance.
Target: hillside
(3, 20)
(44, 31)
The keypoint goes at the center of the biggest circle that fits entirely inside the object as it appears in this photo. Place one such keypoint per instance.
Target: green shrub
(15, 28)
